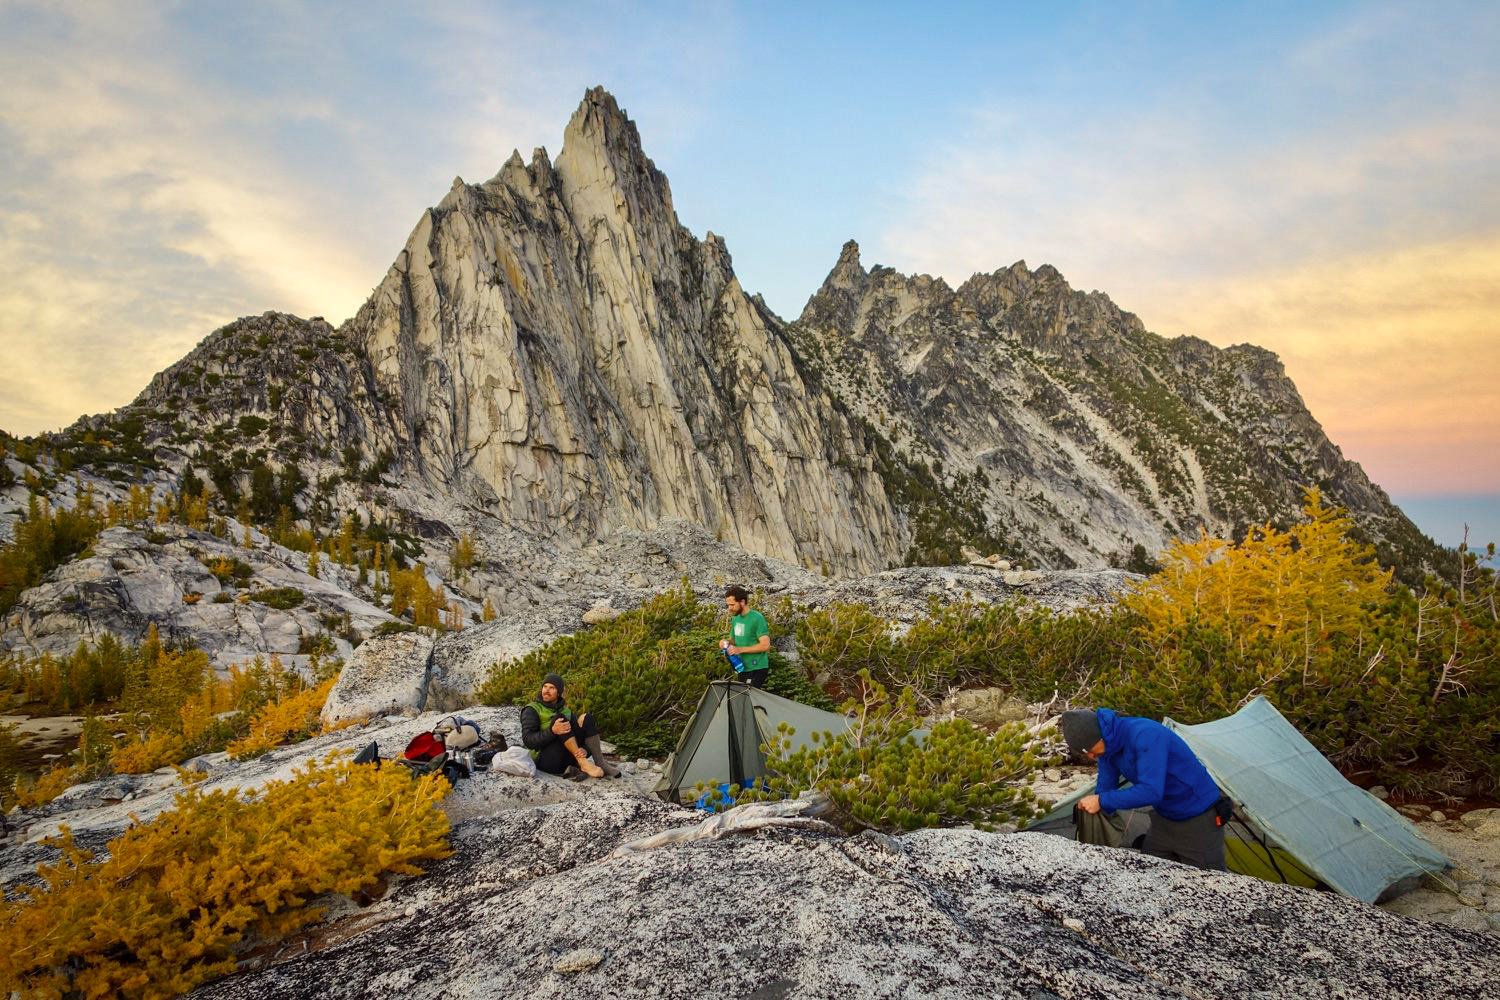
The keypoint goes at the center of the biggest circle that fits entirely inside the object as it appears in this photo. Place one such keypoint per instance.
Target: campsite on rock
(567, 623)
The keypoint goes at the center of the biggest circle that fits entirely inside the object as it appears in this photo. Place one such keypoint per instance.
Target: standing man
(749, 638)
(1163, 773)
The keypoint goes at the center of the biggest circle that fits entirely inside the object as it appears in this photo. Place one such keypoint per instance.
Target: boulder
(462, 660)
(990, 708)
(1484, 822)
(387, 675)
(804, 913)
(600, 613)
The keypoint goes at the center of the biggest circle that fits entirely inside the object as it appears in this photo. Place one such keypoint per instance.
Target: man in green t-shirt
(749, 638)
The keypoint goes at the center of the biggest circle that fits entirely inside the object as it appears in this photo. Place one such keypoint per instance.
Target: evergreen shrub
(1028, 649)
(280, 598)
(881, 774)
(641, 675)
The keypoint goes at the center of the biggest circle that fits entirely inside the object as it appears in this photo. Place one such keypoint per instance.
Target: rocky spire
(848, 273)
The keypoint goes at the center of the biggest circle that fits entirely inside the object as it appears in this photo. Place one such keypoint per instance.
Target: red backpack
(424, 748)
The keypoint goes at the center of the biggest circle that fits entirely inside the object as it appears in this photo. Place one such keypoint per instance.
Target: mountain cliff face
(559, 347)
(554, 363)
(1082, 433)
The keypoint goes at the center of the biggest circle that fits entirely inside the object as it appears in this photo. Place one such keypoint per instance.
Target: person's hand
(561, 726)
(1089, 804)
(732, 650)
(723, 643)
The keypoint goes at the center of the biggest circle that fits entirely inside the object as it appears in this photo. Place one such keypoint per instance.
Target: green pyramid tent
(1296, 818)
(722, 741)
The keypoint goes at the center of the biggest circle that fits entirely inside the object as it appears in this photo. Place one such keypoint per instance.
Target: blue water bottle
(734, 661)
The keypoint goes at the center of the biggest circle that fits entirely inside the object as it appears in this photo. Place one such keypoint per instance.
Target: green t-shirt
(746, 630)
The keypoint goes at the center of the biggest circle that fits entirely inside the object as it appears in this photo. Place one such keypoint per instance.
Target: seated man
(558, 739)
(1163, 773)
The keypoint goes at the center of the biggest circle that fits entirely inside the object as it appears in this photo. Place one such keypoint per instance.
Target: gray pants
(1198, 841)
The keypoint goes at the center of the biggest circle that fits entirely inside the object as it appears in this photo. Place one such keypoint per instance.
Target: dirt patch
(1468, 896)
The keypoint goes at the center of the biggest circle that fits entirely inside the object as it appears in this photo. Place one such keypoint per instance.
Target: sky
(1322, 180)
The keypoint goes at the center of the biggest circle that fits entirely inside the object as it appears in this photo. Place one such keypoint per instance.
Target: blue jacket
(1163, 772)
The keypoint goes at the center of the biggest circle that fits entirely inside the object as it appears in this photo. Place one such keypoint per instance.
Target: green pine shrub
(1030, 650)
(880, 774)
(787, 680)
(641, 675)
(280, 598)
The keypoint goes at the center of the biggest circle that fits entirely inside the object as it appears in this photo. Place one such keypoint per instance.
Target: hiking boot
(581, 758)
(609, 769)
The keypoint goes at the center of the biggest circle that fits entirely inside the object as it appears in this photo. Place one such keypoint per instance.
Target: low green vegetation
(884, 775)
(1397, 685)
(280, 598)
(640, 675)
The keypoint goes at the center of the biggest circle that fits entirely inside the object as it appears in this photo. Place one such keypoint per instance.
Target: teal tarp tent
(723, 739)
(1297, 819)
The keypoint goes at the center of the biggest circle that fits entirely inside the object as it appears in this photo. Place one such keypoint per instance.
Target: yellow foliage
(344, 547)
(172, 709)
(195, 510)
(294, 717)
(178, 897)
(488, 612)
(465, 556)
(410, 589)
(46, 787)
(1293, 588)
(146, 753)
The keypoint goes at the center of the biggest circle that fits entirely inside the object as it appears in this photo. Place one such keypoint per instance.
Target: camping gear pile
(456, 749)
(1293, 818)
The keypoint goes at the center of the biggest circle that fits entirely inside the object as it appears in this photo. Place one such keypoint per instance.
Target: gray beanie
(1080, 727)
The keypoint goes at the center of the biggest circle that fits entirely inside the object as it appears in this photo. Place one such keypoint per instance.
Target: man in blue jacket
(1163, 774)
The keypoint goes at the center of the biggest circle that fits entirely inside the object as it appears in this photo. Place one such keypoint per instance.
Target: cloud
(1354, 235)
(1394, 353)
(170, 168)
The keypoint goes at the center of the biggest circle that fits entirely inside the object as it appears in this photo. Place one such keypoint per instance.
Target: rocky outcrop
(1079, 433)
(805, 914)
(559, 346)
(387, 675)
(783, 912)
(129, 582)
(798, 914)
